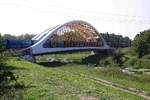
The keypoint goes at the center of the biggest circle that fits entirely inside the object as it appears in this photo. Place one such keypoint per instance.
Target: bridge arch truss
(69, 36)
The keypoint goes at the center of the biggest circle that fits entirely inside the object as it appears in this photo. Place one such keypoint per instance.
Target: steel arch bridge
(74, 35)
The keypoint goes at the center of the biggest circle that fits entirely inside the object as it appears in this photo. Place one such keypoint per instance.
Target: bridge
(73, 36)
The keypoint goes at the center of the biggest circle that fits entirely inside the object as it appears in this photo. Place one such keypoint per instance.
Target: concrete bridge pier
(30, 58)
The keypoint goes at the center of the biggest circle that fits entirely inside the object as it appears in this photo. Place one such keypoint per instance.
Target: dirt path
(112, 85)
(117, 86)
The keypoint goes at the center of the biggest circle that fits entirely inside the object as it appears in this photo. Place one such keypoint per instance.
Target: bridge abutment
(30, 58)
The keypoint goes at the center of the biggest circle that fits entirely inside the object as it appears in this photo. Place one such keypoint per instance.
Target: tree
(5, 74)
(118, 57)
(8, 36)
(141, 43)
(116, 41)
(25, 36)
(2, 49)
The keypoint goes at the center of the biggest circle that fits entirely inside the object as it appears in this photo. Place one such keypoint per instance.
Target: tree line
(113, 40)
(140, 44)
(25, 36)
(117, 41)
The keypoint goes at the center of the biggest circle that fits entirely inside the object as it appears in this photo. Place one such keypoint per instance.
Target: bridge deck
(71, 50)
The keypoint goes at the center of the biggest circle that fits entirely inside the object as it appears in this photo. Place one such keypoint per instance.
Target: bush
(141, 43)
(146, 56)
(144, 63)
(5, 74)
(106, 62)
(131, 62)
(119, 58)
(138, 63)
(128, 51)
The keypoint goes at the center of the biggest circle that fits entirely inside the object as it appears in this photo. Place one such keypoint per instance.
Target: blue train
(10, 43)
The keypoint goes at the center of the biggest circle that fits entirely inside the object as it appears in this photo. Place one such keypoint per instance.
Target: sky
(124, 17)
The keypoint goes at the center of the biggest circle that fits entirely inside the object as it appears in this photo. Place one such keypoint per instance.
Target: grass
(133, 61)
(140, 82)
(64, 82)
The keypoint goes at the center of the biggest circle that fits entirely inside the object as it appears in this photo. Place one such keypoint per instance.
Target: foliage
(105, 60)
(2, 49)
(106, 69)
(64, 83)
(141, 43)
(128, 51)
(117, 41)
(146, 56)
(7, 77)
(118, 57)
(19, 37)
(25, 36)
(137, 63)
(5, 74)
(8, 36)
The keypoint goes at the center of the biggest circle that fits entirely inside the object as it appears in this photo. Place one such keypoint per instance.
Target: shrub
(106, 62)
(131, 62)
(143, 63)
(138, 63)
(128, 51)
(146, 56)
(141, 43)
(118, 57)
(5, 74)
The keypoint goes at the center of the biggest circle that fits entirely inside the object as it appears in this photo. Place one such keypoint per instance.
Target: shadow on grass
(13, 91)
(94, 59)
(90, 60)
(52, 64)
(15, 86)
(14, 68)
(9, 85)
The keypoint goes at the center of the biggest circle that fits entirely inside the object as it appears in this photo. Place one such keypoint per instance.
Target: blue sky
(125, 17)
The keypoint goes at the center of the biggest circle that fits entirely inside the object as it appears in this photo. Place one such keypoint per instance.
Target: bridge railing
(67, 44)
